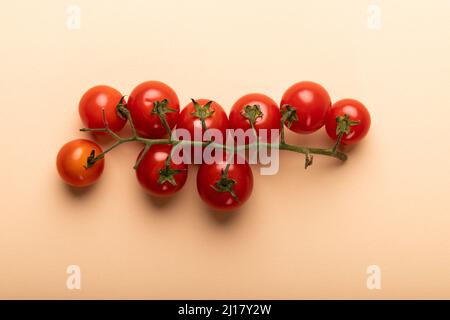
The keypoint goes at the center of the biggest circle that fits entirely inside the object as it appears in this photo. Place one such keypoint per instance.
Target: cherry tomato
(270, 118)
(217, 120)
(92, 104)
(189, 120)
(356, 111)
(240, 176)
(155, 177)
(72, 160)
(141, 103)
(311, 102)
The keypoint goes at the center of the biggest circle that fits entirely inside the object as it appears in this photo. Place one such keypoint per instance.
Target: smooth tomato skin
(72, 158)
(357, 112)
(147, 172)
(312, 103)
(218, 120)
(209, 174)
(140, 105)
(92, 104)
(271, 113)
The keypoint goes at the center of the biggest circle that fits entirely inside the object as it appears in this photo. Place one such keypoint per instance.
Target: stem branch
(307, 151)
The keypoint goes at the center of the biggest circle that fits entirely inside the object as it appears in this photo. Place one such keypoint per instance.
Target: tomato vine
(305, 107)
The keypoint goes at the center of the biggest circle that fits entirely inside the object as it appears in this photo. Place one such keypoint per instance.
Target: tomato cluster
(153, 111)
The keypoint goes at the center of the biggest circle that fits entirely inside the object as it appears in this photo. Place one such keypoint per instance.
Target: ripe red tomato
(72, 160)
(155, 177)
(141, 104)
(240, 177)
(92, 104)
(270, 118)
(189, 119)
(217, 120)
(356, 112)
(312, 103)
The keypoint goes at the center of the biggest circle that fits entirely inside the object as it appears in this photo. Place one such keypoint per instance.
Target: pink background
(303, 234)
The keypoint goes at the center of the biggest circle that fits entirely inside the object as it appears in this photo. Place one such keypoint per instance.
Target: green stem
(102, 155)
(338, 141)
(139, 160)
(166, 125)
(282, 132)
(305, 150)
(331, 152)
(204, 127)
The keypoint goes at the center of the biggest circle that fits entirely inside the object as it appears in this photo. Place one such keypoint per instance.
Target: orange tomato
(72, 160)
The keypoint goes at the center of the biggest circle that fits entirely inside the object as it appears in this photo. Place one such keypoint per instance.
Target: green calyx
(167, 175)
(202, 112)
(225, 184)
(288, 115)
(121, 108)
(160, 107)
(344, 123)
(92, 159)
(252, 112)
(308, 160)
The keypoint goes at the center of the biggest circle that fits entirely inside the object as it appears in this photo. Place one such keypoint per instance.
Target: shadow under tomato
(79, 192)
(353, 148)
(351, 151)
(222, 217)
(159, 202)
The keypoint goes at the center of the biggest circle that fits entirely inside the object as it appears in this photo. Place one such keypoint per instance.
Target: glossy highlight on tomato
(72, 159)
(149, 169)
(92, 104)
(356, 112)
(270, 118)
(141, 102)
(312, 103)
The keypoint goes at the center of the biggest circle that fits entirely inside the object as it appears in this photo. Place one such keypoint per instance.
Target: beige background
(303, 234)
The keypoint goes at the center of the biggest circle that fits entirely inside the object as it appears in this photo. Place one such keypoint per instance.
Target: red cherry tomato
(152, 172)
(217, 120)
(141, 102)
(92, 104)
(72, 159)
(270, 118)
(189, 120)
(210, 174)
(356, 112)
(312, 103)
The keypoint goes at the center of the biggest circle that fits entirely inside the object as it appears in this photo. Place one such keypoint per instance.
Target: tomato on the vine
(214, 116)
(225, 189)
(158, 176)
(142, 102)
(311, 102)
(198, 117)
(72, 161)
(92, 104)
(267, 116)
(226, 182)
(356, 112)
